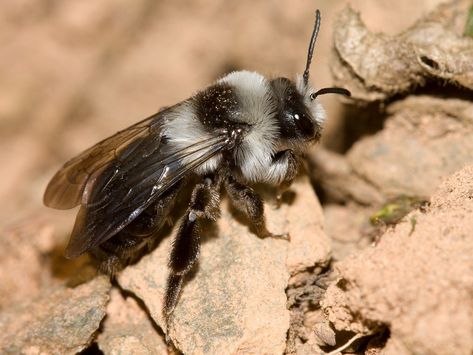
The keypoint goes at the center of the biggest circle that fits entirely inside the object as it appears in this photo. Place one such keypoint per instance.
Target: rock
(304, 220)
(59, 321)
(339, 180)
(418, 280)
(346, 225)
(377, 66)
(35, 247)
(128, 329)
(424, 139)
(234, 301)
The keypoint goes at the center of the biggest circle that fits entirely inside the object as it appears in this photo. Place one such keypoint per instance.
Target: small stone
(324, 334)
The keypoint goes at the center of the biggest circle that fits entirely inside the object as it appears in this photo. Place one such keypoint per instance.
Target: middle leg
(249, 202)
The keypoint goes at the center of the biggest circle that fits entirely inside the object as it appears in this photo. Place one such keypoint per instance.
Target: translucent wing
(114, 191)
(65, 189)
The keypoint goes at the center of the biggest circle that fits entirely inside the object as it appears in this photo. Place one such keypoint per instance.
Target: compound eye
(303, 123)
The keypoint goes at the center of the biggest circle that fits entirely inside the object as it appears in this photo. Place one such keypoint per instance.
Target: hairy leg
(283, 168)
(185, 248)
(283, 171)
(249, 202)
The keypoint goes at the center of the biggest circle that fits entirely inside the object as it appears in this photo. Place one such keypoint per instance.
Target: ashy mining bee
(243, 129)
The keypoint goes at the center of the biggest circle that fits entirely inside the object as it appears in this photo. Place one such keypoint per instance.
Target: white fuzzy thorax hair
(184, 129)
(255, 154)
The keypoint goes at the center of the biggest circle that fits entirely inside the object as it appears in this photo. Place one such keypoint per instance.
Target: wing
(114, 190)
(65, 189)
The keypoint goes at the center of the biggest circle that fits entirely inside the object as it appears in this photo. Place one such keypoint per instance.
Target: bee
(243, 129)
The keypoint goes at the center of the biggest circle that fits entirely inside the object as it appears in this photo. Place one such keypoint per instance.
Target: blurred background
(74, 72)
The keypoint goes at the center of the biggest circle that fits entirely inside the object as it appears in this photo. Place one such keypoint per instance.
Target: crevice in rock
(303, 297)
(93, 349)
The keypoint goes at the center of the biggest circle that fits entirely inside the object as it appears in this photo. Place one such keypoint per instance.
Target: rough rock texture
(428, 135)
(424, 140)
(418, 280)
(424, 137)
(378, 66)
(302, 216)
(222, 307)
(309, 329)
(61, 321)
(128, 329)
(235, 301)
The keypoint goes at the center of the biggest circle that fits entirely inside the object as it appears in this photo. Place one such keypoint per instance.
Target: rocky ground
(381, 226)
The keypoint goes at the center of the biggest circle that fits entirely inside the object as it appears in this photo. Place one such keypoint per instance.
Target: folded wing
(118, 178)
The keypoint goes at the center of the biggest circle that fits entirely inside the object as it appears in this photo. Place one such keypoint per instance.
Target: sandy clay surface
(380, 259)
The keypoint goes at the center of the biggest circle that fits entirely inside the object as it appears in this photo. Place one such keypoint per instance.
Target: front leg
(249, 202)
(283, 171)
(283, 168)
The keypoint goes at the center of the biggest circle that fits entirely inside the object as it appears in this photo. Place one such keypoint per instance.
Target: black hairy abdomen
(130, 243)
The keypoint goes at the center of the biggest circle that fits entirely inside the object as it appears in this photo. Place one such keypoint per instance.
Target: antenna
(313, 38)
(340, 91)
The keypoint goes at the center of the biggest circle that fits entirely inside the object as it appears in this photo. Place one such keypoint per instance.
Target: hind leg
(185, 248)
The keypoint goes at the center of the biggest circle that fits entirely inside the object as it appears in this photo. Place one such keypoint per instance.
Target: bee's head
(300, 115)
